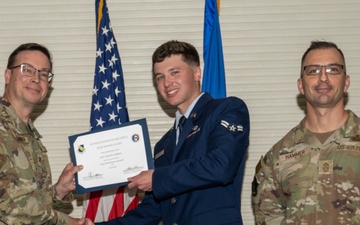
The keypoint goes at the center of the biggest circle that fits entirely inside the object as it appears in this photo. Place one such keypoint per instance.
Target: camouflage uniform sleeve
(21, 200)
(24, 204)
(61, 204)
(267, 196)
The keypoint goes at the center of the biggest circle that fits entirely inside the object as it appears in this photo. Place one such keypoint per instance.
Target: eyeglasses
(30, 71)
(330, 69)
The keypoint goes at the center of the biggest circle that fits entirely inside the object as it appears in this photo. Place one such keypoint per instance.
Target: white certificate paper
(110, 156)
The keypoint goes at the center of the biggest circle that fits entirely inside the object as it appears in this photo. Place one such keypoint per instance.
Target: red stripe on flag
(133, 204)
(93, 205)
(117, 209)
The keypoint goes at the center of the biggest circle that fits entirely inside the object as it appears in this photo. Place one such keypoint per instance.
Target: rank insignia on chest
(231, 127)
(326, 167)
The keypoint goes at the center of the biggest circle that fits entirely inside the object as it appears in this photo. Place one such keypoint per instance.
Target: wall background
(263, 43)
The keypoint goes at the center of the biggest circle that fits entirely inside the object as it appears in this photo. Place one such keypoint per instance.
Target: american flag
(108, 108)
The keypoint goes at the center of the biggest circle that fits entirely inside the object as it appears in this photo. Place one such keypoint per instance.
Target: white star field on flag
(108, 96)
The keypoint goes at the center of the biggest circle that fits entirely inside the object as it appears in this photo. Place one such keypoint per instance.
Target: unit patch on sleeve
(231, 127)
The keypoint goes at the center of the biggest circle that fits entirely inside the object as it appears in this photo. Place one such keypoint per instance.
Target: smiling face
(22, 91)
(177, 82)
(323, 90)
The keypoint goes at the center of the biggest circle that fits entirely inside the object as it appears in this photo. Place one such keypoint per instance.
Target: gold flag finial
(101, 5)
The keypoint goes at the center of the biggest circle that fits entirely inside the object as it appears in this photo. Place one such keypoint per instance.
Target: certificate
(111, 155)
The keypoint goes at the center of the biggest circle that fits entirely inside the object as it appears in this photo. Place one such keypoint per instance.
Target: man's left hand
(66, 182)
(143, 181)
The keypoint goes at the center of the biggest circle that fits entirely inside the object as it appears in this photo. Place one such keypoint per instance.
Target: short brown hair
(315, 45)
(28, 47)
(187, 51)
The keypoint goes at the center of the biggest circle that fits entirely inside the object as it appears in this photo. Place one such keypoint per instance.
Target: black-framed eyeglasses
(330, 69)
(30, 71)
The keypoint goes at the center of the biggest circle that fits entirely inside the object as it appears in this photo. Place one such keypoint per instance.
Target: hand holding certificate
(111, 155)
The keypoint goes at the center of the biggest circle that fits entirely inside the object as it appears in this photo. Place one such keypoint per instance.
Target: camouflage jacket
(303, 181)
(26, 193)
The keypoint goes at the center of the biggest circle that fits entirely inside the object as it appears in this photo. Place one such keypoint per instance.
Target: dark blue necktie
(182, 121)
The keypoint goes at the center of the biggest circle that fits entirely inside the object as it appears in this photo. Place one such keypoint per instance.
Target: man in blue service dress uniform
(198, 174)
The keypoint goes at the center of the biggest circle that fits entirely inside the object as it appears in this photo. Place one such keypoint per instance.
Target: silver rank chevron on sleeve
(231, 127)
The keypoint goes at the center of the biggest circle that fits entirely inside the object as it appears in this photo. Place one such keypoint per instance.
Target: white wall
(263, 42)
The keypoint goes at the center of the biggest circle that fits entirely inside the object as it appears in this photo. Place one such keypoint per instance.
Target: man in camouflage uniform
(26, 193)
(312, 175)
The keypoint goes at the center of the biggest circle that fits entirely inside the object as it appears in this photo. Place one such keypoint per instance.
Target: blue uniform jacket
(198, 181)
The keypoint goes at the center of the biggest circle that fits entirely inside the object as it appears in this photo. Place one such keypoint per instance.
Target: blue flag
(214, 70)
(108, 108)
